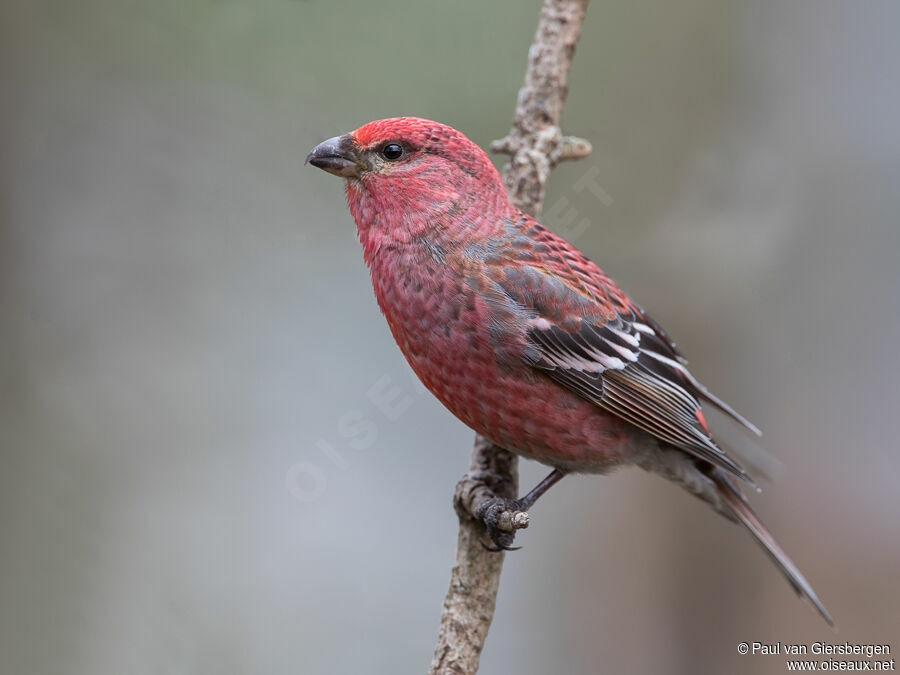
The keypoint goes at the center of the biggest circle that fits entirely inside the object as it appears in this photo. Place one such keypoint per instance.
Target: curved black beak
(337, 156)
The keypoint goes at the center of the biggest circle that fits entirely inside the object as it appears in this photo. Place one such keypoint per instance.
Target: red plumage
(518, 333)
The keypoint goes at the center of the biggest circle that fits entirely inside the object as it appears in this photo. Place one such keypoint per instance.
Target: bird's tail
(733, 498)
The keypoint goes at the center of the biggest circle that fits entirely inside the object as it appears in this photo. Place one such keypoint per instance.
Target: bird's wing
(590, 338)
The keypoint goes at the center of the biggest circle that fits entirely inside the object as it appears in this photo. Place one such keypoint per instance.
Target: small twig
(535, 145)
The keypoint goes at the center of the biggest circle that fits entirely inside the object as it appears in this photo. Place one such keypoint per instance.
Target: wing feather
(594, 341)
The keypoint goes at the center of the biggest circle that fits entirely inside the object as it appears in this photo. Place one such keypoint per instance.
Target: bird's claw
(502, 518)
(498, 547)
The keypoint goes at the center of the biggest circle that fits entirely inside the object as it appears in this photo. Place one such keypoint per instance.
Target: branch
(474, 579)
(535, 145)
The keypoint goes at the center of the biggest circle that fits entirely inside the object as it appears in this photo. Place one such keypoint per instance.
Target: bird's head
(401, 148)
(409, 170)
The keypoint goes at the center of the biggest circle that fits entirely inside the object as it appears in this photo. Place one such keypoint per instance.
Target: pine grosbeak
(517, 333)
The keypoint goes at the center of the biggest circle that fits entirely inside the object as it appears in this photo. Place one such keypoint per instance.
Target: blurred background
(214, 458)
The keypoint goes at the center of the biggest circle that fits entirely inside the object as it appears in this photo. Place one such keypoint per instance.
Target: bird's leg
(502, 517)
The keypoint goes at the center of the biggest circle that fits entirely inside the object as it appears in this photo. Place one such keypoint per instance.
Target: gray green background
(195, 476)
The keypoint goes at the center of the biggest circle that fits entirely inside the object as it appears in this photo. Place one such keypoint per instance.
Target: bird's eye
(392, 151)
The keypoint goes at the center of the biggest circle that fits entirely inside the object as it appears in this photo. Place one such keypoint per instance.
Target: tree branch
(474, 579)
(535, 145)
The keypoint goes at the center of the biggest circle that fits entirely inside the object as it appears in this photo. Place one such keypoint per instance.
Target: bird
(519, 334)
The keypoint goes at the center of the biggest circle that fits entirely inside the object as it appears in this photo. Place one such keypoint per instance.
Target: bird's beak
(336, 155)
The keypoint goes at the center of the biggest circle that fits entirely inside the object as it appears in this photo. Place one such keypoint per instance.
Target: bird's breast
(466, 343)
(432, 306)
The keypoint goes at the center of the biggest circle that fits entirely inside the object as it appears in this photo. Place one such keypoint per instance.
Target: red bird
(520, 335)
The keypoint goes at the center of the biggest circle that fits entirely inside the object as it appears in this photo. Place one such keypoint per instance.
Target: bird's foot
(502, 518)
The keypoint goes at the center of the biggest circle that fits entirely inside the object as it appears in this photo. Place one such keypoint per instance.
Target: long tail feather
(734, 499)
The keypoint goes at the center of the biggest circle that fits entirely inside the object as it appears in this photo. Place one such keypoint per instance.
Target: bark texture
(536, 143)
